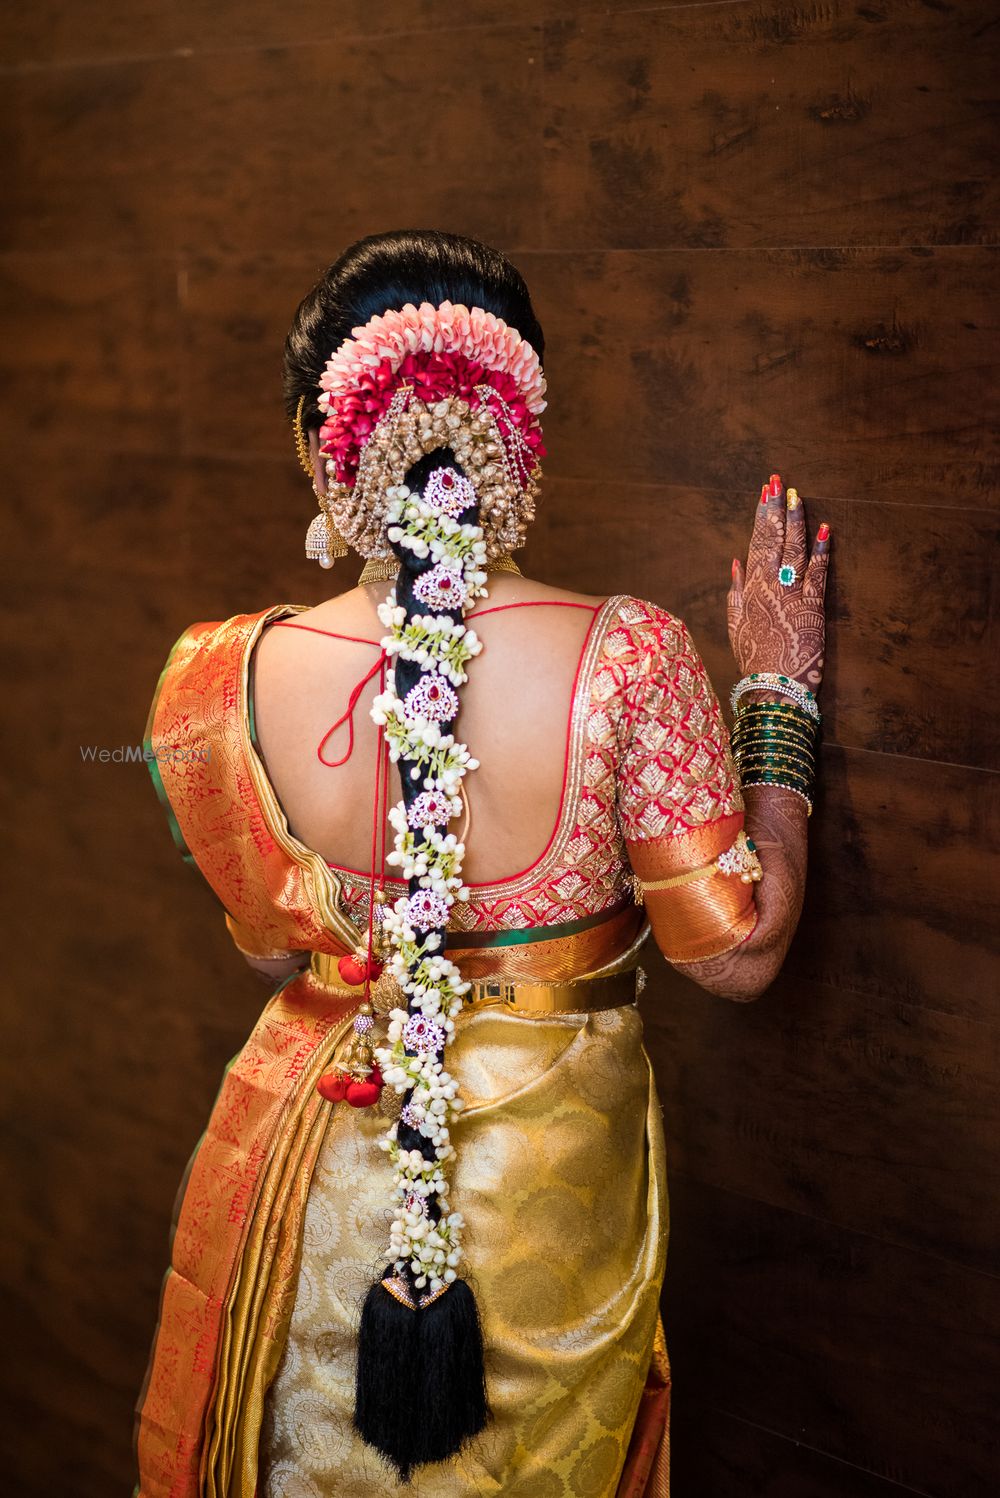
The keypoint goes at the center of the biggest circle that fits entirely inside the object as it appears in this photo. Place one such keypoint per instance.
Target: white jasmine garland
(424, 851)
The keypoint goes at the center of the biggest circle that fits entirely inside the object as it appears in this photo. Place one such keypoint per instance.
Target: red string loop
(348, 716)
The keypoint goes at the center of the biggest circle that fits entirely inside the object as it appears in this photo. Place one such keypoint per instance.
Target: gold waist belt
(608, 988)
(586, 995)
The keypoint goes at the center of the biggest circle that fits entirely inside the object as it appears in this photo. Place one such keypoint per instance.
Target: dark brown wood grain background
(760, 236)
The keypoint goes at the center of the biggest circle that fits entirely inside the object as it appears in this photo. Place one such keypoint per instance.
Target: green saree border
(524, 935)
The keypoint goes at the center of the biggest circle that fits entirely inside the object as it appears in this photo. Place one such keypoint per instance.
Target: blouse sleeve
(680, 803)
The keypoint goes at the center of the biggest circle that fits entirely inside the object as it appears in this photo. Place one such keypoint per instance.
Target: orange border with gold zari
(241, 1207)
(701, 917)
(222, 802)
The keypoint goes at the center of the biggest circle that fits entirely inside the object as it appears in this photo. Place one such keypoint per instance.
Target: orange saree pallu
(560, 1156)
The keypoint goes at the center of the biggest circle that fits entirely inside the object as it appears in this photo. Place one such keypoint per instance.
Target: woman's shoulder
(650, 627)
(224, 633)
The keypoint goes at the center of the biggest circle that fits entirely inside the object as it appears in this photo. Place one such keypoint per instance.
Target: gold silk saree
(560, 1168)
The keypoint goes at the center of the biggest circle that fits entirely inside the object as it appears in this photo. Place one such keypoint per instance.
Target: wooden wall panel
(865, 373)
(856, 1110)
(291, 148)
(715, 125)
(93, 30)
(760, 235)
(236, 316)
(90, 355)
(912, 601)
(714, 1453)
(882, 1358)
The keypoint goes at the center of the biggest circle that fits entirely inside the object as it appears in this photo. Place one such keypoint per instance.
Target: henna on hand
(774, 627)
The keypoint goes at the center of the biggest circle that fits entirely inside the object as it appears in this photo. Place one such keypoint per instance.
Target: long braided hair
(420, 1391)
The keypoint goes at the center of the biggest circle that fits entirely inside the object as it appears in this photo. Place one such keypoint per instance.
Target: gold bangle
(740, 858)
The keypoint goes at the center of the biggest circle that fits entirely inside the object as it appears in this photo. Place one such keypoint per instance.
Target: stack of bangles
(774, 743)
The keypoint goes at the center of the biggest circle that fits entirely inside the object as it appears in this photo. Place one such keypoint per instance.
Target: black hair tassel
(421, 1384)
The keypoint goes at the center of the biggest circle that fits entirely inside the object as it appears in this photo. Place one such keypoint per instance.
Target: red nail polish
(775, 478)
(823, 532)
(763, 494)
(775, 489)
(736, 566)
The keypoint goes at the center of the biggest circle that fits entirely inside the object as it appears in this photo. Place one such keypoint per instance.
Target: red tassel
(355, 970)
(364, 1094)
(333, 1086)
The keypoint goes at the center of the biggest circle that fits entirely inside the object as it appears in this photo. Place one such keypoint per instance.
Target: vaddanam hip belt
(610, 987)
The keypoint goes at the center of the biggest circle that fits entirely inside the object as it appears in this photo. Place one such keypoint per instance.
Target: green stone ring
(786, 575)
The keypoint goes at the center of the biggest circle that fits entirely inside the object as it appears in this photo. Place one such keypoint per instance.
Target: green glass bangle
(769, 710)
(782, 771)
(765, 772)
(793, 751)
(774, 751)
(770, 757)
(773, 757)
(773, 740)
(788, 734)
(779, 777)
(765, 720)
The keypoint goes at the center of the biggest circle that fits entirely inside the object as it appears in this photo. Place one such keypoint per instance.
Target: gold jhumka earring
(324, 543)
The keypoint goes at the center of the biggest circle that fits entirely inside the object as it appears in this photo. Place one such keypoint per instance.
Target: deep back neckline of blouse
(573, 766)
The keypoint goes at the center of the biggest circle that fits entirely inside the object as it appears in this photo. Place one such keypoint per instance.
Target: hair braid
(421, 1319)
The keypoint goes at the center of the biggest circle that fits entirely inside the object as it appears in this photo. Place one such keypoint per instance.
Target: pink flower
(353, 414)
(476, 335)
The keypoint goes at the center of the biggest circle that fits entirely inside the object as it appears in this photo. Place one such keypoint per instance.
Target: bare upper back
(514, 716)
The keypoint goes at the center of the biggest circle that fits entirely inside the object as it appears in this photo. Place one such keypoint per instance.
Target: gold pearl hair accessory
(478, 437)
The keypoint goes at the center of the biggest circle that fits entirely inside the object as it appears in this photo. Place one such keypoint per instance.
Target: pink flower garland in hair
(440, 351)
